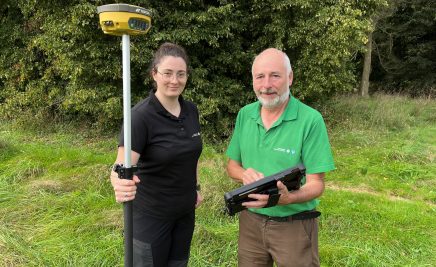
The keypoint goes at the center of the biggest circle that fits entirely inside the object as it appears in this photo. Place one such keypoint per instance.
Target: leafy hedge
(55, 62)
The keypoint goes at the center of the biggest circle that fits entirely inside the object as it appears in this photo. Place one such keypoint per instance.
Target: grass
(57, 207)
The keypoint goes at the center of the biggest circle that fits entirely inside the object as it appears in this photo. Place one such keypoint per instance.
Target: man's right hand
(251, 175)
(241, 175)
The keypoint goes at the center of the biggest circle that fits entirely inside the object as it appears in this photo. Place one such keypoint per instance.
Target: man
(275, 133)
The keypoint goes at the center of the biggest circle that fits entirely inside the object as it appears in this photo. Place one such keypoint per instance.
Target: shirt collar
(291, 110)
(161, 110)
(290, 113)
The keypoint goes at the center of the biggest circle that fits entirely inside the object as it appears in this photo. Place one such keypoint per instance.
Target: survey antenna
(125, 20)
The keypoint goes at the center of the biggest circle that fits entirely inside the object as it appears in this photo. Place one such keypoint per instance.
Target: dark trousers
(162, 242)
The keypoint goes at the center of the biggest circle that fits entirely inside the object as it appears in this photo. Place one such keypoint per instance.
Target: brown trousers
(263, 241)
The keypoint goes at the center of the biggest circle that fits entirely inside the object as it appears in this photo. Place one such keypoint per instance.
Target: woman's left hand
(199, 199)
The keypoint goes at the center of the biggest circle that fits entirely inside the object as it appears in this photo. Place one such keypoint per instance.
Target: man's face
(270, 79)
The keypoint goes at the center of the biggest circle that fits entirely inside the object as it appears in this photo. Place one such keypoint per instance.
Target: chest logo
(285, 150)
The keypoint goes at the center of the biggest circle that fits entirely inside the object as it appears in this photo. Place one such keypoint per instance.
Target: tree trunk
(364, 83)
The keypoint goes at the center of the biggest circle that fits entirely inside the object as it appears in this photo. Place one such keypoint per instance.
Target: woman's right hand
(125, 190)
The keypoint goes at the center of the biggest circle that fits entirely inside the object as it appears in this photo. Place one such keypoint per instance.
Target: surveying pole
(125, 20)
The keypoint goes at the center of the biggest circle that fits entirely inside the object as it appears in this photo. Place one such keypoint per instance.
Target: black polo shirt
(169, 149)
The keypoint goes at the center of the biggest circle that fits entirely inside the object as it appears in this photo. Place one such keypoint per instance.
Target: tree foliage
(405, 47)
(56, 62)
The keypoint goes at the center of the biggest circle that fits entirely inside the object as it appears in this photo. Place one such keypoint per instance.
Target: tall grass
(57, 207)
(379, 113)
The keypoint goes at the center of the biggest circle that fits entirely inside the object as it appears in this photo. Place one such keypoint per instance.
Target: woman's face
(170, 76)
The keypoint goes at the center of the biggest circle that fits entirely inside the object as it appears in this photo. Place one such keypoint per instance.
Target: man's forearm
(235, 171)
(313, 188)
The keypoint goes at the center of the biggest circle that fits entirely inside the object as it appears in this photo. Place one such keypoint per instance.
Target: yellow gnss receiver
(119, 19)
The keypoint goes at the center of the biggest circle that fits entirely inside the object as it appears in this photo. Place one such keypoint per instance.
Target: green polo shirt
(298, 136)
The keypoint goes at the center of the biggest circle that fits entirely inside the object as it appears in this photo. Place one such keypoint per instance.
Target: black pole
(128, 234)
(127, 173)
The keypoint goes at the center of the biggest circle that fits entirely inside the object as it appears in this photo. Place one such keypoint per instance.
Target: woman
(166, 145)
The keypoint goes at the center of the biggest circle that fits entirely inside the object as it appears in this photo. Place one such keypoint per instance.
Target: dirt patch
(50, 186)
(369, 191)
(112, 218)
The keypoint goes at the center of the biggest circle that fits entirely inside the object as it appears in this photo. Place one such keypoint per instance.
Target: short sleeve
(316, 151)
(139, 133)
(234, 148)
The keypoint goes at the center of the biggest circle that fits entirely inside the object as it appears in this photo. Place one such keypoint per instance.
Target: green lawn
(379, 207)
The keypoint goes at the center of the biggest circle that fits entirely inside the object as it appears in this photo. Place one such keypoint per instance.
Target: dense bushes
(56, 63)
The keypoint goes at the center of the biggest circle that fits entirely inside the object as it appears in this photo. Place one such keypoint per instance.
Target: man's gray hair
(287, 64)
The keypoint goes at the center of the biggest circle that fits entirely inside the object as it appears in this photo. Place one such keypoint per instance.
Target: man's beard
(275, 102)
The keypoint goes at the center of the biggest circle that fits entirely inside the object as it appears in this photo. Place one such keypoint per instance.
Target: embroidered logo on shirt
(196, 134)
(285, 150)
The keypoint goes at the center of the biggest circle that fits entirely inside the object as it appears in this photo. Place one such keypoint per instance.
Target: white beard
(275, 102)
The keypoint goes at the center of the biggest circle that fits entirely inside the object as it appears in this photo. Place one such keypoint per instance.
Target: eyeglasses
(168, 75)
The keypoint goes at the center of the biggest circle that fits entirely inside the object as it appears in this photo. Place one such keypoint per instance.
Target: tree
(384, 9)
(60, 65)
(405, 48)
(364, 84)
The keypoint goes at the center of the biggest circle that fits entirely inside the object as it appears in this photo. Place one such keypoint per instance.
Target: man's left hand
(260, 200)
(284, 192)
